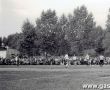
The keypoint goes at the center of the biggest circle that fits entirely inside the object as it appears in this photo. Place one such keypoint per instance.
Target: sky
(14, 12)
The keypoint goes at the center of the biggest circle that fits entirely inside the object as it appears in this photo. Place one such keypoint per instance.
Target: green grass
(52, 77)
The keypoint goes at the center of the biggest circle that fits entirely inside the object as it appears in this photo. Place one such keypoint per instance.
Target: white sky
(14, 12)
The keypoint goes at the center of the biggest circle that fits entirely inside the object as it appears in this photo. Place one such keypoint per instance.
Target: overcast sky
(14, 12)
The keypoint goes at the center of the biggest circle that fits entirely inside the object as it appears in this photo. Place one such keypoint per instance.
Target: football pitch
(47, 77)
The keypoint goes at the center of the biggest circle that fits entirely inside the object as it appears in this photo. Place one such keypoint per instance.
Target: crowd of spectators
(56, 60)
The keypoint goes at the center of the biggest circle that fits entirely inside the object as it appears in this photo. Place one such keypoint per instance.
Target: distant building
(8, 53)
(3, 53)
(91, 52)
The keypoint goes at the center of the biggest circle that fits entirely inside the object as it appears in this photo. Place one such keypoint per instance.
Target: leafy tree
(62, 35)
(108, 22)
(46, 24)
(106, 43)
(97, 36)
(106, 40)
(45, 27)
(0, 41)
(81, 25)
(4, 41)
(12, 40)
(26, 43)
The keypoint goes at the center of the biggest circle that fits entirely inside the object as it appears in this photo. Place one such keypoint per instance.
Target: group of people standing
(59, 60)
(86, 59)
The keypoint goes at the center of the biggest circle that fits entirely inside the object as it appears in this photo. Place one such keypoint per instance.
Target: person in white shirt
(17, 60)
(75, 59)
(101, 58)
(87, 58)
(66, 58)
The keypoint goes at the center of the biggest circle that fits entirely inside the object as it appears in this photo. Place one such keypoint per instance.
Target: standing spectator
(101, 58)
(66, 58)
(17, 60)
(87, 58)
(75, 59)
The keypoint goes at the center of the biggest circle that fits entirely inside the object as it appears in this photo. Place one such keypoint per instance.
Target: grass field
(52, 77)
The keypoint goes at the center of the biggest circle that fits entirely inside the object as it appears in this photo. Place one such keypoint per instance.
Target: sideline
(56, 69)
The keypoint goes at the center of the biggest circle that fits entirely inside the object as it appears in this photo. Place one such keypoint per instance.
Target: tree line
(73, 34)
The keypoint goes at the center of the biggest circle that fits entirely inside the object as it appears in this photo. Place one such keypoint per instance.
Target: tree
(97, 36)
(62, 35)
(4, 41)
(106, 43)
(46, 28)
(26, 43)
(0, 42)
(106, 40)
(46, 24)
(108, 22)
(80, 27)
(12, 40)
